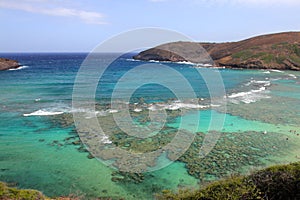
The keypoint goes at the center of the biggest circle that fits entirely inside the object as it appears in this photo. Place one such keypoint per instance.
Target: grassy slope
(276, 55)
(278, 182)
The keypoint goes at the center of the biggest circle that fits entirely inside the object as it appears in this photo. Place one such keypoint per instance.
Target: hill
(273, 51)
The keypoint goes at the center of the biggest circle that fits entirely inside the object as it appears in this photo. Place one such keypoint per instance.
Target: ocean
(257, 115)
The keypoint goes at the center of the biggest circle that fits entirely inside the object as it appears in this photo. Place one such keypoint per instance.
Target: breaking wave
(19, 68)
(257, 92)
(43, 113)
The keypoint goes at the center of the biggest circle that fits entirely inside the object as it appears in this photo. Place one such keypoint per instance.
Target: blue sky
(80, 25)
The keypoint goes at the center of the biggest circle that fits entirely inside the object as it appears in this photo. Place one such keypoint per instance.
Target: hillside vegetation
(278, 183)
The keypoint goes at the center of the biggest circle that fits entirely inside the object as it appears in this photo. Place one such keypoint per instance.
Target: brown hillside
(276, 51)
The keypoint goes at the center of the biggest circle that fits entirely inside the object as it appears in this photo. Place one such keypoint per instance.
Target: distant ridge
(272, 51)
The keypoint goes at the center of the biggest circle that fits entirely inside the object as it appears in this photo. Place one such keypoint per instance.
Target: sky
(80, 25)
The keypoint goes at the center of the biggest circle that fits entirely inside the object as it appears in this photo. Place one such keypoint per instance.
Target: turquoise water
(262, 115)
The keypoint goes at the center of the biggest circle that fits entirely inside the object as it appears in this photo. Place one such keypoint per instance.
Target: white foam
(261, 81)
(250, 96)
(137, 110)
(292, 75)
(42, 113)
(186, 63)
(112, 111)
(214, 105)
(265, 83)
(275, 70)
(90, 113)
(105, 140)
(152, 107)
(190, 106)
(204, 65)
(132, 60)
(19, 68)
(240, 94)
(179, 62)
(176, 105)
(267, 72)
(155, 61)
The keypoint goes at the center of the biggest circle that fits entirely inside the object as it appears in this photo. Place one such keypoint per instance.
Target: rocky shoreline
(6, 64)
(274, 51)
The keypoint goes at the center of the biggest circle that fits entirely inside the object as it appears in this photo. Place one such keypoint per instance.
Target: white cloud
(47, 8)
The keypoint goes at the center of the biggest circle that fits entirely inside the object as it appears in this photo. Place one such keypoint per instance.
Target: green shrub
(244, 55)
(295, 59)
(296, 49)
(279, 182)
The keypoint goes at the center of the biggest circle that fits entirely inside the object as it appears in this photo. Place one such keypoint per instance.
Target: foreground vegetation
(277, 182)
(7, 193)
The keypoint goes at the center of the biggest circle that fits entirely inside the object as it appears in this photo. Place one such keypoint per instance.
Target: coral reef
(232, 152)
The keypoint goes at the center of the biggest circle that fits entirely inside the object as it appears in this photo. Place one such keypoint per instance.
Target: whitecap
(264, 83)
(190, 106)
(292, 75)
(19, 68)
(176, 105)
(250, 96)
(186, 63)
(214, 105)
(152, 107)
(105, 140)
(137, 110)
(42, 113)
(113, 111)
(132, 60)
(276, 70)
(155, 61)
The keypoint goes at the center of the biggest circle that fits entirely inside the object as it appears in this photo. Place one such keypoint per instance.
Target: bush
(279, 182)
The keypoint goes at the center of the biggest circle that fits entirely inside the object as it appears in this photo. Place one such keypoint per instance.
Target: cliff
(273, 51)
(6, 64)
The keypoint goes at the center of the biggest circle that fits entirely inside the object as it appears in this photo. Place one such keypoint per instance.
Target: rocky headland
(274, 51)
(6, 64)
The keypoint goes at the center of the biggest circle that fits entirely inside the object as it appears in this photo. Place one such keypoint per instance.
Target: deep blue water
(53, 75)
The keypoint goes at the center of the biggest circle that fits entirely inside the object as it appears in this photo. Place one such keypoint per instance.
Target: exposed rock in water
(6, 64)
(273, 51)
